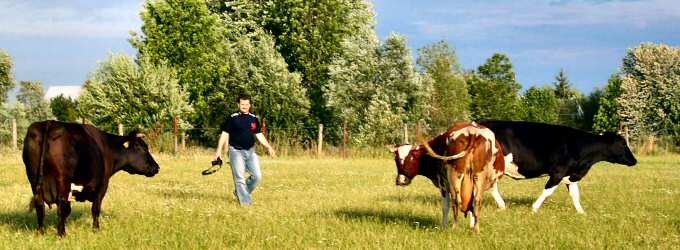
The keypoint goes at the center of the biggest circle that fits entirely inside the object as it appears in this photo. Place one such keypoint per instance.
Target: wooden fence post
(14, 133)
(345, 138)
(405, 133)
(184, 140)
(120, 129)
(175, 132)
(319, 146)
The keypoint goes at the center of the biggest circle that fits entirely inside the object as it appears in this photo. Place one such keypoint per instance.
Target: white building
(72, 91)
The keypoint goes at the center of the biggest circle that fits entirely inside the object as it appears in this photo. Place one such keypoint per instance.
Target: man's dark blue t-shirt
(242, 128)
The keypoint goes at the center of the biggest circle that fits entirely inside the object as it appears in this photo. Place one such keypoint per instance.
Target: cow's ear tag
(126, 145)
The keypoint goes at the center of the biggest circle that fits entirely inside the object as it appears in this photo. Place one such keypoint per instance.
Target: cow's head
(618, 149)
(407, 158)
(136, 156)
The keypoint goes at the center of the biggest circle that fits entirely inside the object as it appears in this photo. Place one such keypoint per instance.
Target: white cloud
(489, 18)
(26, 18)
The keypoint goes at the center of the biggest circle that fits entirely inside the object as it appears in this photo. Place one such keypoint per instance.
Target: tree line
(311, 62)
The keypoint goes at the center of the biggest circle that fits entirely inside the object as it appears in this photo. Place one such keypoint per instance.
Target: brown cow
(414, 160)
(473, 173)
(58, 154)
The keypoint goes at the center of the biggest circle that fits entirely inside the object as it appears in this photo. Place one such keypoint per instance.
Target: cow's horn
(431, 152)
(139, 135)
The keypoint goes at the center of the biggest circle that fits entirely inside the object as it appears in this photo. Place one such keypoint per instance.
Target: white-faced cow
(58, 154)
(474, 163)
(562, 153)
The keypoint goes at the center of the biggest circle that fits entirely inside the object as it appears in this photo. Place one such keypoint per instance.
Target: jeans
(242, 161)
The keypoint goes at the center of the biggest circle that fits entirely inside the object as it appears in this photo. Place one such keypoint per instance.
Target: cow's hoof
(534, 210)
(580, 211)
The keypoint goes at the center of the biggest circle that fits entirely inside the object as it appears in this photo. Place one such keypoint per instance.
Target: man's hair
(243, 96)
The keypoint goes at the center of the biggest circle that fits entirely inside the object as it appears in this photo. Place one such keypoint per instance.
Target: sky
(59, 42)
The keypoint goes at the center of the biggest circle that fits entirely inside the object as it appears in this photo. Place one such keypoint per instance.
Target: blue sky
(59, 42)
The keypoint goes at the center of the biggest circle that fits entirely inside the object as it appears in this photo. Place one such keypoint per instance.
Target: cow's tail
(467, 193)
(39, 196)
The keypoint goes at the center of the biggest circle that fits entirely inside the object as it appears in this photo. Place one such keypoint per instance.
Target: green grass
(309, 203)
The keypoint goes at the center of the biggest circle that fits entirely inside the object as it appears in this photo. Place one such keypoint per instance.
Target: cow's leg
(479, 196)
(97, 205)
(454, 190)
(549, 189)
(446, 205)
(40, 213)
(497, 196)
(64, 205)
(575, 196)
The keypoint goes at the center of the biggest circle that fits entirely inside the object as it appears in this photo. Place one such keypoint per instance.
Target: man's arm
(265, 143)
(221, 144)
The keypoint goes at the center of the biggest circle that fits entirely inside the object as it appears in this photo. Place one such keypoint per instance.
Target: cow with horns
(463, 162)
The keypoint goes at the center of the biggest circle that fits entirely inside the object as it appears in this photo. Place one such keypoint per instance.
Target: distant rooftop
(72, 91)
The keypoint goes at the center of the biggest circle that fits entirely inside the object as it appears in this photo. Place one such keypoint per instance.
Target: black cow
(562, 153)
(58, 154)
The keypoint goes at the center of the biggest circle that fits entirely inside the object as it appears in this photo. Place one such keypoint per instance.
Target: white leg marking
(497, 196)
(472, 219)
(575, 196)
(545, 194)
(446, 205)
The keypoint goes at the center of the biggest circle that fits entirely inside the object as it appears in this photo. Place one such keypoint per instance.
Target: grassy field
(309, 203)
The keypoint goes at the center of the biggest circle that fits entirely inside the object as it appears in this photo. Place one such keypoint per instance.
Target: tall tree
(540, 105)
(138, 96)
(650, 90)
(32, 96)
(308, 35)
(450, 98)
(570, 109)
(494, 91)
(378, 90)
(64, 108)
(6, 78)
(606, 119)
(590, 105)
(188, 38)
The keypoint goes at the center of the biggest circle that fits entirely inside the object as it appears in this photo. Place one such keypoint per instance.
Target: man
(239, 133)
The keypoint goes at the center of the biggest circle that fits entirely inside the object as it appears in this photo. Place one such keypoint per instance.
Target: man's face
(244, 106)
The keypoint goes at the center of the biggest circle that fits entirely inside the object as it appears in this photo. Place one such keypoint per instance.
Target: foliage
(590, 105)
(540, 105)
(142, 96)
(376, 89)
(8, 112)
(650, 90)
(494, 90)
(308, 34)
(607, 119)
(186, 37)
(6, 78)
(450, 98)
(64, 108)
(570, 109)
(255, 67)
(32, 96)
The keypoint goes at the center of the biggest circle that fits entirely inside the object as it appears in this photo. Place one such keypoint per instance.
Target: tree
(64, 108)
(493, 90)
(563, 88)
(308, 34)
(570, 109)
(606, 119)
(540, 105)
(590, 105)
(255, 67)
(650, 90)
(32, 96)
(189, 39)
(376, 89)
(143, 96)
(6, 79)
(450, 98)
